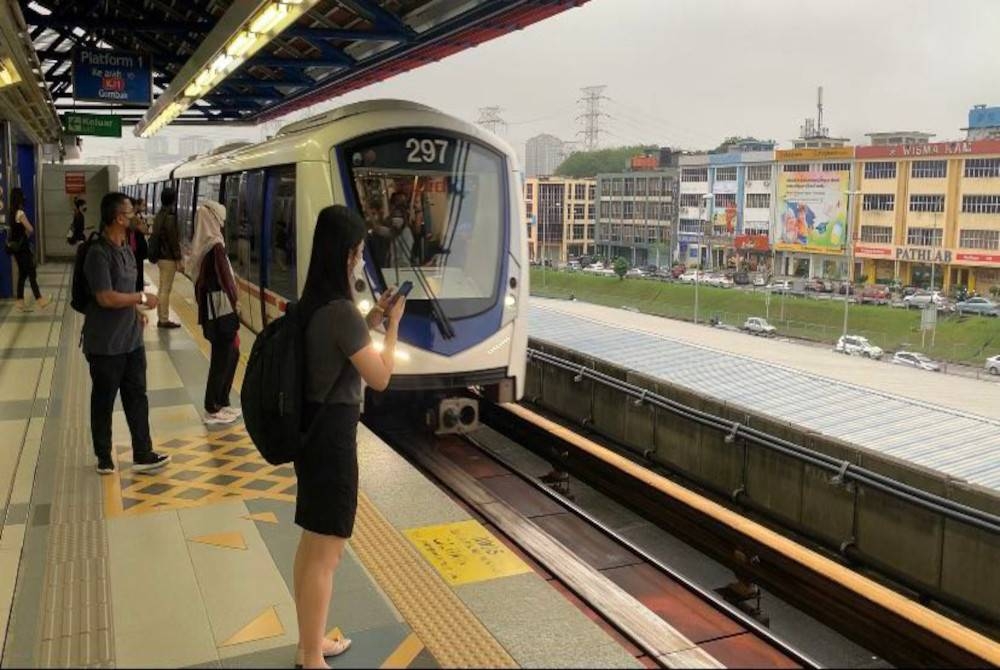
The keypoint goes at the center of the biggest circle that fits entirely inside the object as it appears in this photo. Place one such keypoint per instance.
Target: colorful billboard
(812, 208)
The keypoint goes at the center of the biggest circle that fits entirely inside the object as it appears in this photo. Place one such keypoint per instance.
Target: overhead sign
(101, 125)
(75, 183)
(122, 77)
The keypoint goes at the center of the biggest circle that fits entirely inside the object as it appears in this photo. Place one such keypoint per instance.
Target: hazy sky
(687, 73)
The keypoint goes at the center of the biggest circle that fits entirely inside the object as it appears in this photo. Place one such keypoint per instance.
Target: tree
(582, 164)
(620, 267)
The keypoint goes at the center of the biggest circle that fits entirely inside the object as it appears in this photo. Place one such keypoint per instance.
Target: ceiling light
(269, 18)
(193, 91)
(223, 63)
(242, 44)
(8, 75)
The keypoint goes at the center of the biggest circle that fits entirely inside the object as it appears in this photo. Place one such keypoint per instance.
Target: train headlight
(509, 309)
(509, 301)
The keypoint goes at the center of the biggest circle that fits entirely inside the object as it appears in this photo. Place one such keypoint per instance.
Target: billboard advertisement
(812, 210)
(117, 77)
(725, 218)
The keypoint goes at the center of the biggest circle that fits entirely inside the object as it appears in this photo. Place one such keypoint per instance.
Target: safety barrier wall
(938, 554)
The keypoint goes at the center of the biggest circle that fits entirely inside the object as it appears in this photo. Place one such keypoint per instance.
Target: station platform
(940, 424)
(192, 566)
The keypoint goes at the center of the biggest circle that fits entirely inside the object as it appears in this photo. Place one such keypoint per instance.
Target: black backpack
(272, 393)
(81, 291)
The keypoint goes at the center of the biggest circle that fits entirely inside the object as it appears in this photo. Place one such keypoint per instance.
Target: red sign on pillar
(76, 183)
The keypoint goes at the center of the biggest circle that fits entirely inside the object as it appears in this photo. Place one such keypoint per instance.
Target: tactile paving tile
(204, 469)
(448, 629)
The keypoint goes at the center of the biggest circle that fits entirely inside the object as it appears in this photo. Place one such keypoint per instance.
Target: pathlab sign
(116, 77)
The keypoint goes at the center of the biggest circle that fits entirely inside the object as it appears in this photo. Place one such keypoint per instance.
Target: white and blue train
(443, 202)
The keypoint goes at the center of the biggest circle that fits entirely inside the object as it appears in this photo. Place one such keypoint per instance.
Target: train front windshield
(434, 207)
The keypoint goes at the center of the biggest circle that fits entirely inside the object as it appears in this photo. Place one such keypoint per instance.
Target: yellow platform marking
(264, 517)
(224, 540)
(266, 625)
(206, 468)
(465, 552)
(405, 652)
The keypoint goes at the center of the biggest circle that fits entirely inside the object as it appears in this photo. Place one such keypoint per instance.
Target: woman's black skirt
(327, 471)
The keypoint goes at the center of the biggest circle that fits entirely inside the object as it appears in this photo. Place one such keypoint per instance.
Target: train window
(157, 189)
(185, 210)
(208, 188)
(435, 210)
(281, 243)
(231, 193)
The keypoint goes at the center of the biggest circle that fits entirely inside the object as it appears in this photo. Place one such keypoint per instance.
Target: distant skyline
(688, 73)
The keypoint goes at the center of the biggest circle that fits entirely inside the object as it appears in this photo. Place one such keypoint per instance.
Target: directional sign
(122, 77)
(101, 125)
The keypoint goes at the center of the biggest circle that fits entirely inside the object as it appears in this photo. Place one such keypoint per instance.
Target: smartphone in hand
(403, 290)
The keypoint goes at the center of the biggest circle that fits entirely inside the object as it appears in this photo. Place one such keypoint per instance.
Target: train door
(278, 254)
(251, 224)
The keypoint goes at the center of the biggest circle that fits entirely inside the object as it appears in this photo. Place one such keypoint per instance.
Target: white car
(755, 325)
(856, 345)
(993, 365)
(690, 276)
(924, 298)
(781, 286)
(915, 359)
(759, 280)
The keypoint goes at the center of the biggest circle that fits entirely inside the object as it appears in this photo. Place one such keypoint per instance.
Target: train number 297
(426, 151)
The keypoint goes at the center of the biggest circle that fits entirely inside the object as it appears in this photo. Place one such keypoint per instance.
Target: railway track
(672, 621)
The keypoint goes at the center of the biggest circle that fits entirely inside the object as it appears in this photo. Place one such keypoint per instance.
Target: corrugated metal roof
(962, 446)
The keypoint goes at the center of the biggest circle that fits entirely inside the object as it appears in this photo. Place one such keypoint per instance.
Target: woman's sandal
(332, 648)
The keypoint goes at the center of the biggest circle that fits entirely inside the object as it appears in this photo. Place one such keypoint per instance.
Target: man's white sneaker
(218, 418)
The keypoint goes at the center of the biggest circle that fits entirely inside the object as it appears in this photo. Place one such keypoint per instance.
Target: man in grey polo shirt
(112, 339)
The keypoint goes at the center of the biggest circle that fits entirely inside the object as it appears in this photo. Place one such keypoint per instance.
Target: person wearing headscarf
(215, 291)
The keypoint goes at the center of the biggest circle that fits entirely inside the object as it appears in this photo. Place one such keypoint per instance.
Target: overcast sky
(687, 73)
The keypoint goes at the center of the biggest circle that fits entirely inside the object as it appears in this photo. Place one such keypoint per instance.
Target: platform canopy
(247, 61)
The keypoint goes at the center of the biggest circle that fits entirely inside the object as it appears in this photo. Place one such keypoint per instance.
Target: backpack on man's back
(81, 294)
(273, 388)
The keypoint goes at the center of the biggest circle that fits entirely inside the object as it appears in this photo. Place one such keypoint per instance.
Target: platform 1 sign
(100, 125)
(101, 75)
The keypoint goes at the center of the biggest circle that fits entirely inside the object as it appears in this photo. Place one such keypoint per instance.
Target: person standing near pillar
(19, 246)
(165, 226)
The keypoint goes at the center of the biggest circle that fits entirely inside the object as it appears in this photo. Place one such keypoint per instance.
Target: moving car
(978, 306)
(993, 365)
(756, 325)
(856, 345)
(915, 359)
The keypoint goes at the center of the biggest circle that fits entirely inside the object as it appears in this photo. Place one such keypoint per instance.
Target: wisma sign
(115, 77)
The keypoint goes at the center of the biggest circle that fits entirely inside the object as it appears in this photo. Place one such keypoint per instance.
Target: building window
(616, 187)
(758, 173)
(694, 174)
(880, 170)
(723, 200)
(630, 186)
(924, 237)
(640, 209)
(578, 212)
(605, 210)
(929, 169)
(590, 212)
(640, 187)
(979, 239)
(879, 202)
(579, 191)
(759, 200)
(981, 204)
(578, 231)
(628, 211)
(689, 226)
(926, 203)
(616, 211)
(591, 190)
(528, 208)
(795, 167)
(691, 200)
(836, 167)
(529, 190)
(755, 231)
(982, 167)
(877, 234)
(725, 174)
(655, 186)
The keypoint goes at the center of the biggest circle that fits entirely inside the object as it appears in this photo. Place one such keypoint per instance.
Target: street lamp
(850, 257)
(701, 234)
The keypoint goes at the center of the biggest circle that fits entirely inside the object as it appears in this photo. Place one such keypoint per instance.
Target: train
(443, 202)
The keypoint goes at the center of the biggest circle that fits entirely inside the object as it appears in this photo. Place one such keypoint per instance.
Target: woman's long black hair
(16, 200)
(338, 232)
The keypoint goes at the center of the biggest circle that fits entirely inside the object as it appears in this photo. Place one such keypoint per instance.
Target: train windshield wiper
(442, 320)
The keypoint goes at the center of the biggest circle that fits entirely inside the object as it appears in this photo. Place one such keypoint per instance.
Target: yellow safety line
(407, 650)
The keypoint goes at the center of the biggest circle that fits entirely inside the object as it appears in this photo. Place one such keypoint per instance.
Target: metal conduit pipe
(842, 469)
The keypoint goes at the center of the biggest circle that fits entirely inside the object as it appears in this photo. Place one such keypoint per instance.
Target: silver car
(977, 306)
(915, 359)
(993, 365)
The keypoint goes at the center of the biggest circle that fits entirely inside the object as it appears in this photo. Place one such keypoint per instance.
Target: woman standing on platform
(215, 291)
(339, 354)
(19, 246)
(137, 241)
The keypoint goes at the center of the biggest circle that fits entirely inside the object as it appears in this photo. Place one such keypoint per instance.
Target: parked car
(756, 325)
(677, 270)
(759, 280)
(876, 293)
(741, 278)
(846, 288)
(993, 365)
(780, 286)
(977, 306)
(856, 345)
(690, 276)
(817, 285)
(721, 281)
(915, 359)
(923, 298)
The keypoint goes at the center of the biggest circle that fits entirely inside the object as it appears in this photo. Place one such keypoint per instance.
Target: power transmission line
(591, 117)
(490, 119)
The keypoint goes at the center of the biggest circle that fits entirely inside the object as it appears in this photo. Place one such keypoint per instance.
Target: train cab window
(281, 258)
(435, 211)
(185, 210)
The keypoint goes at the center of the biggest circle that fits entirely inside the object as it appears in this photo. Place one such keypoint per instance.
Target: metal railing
(844, 472)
